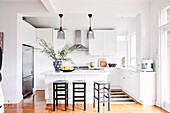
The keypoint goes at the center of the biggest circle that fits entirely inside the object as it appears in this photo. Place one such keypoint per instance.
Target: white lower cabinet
(113, 78)
(139, 85)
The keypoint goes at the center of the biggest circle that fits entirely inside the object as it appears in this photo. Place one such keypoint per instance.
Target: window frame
(129, 49)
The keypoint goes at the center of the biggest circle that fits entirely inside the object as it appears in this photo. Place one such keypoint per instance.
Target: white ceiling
(76, 0)
(102, 1)
(20, 0)
(81, 22)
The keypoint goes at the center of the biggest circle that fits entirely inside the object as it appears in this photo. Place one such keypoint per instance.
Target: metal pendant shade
(60, 33)
(90, 33)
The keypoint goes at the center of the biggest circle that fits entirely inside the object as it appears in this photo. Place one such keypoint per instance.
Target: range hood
(78, 45)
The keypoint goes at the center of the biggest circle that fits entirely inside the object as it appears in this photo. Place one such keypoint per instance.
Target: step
(117, 93)
(121, 99)
(119, 96)
(122, 102)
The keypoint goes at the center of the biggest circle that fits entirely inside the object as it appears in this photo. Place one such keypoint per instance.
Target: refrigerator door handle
(28, 78)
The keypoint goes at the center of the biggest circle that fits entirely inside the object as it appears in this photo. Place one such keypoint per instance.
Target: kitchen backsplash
(83, 58)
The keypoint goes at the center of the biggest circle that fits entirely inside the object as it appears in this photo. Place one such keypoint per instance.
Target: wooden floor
(36, 104)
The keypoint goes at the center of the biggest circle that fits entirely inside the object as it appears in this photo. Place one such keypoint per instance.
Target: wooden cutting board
(102, 62)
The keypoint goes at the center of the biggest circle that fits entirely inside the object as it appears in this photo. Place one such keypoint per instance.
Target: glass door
(167, 77)
(165, 67)
(163, 75)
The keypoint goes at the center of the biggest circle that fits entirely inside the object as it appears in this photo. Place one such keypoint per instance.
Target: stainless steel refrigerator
(27, 69)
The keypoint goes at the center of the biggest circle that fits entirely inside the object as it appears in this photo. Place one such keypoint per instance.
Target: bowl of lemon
(67, 69)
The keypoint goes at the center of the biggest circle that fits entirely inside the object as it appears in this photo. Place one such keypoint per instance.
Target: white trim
(163, 65)
(166, 109)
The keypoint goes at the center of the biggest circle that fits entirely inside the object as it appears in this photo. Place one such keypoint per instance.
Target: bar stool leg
(65, 97)
(103, 96)
(98, 98)
(56, 96)
(109, 97)
(94, 97)
(53, 97)
(73, 96)
(67, 94)
(84, 97)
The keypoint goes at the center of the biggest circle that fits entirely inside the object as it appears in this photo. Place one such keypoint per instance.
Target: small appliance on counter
(147, 65)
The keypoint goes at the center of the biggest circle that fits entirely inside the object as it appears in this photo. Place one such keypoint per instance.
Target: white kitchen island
(88, 75)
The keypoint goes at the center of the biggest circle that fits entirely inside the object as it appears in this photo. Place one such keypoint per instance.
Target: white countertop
(78, 72)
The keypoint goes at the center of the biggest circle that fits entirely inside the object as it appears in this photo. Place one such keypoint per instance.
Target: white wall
(27, 34)
(155, 7)
(12, 60)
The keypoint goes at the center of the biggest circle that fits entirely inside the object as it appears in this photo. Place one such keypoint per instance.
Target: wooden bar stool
(60, 85)
(102, 89)
(79, 90)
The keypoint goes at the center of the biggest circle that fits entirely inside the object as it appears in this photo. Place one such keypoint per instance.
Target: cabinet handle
(123, 77)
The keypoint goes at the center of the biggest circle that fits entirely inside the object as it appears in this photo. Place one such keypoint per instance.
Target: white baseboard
(166, 109)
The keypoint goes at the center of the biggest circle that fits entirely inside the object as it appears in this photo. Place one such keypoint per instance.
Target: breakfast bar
(88, 75)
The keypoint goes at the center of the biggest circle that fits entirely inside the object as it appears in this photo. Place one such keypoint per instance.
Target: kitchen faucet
(131, 60)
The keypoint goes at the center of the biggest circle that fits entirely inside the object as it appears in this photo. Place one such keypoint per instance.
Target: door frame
(162, 71)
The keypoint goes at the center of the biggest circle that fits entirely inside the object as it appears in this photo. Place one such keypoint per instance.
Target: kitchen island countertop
(88, 75)
(76, 72)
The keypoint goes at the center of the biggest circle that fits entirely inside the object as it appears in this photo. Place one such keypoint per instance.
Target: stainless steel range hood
(78, 45)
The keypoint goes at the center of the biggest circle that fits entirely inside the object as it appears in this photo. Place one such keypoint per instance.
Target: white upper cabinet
(110, 42)
(105, 43)
(27, 33)
(96, 44)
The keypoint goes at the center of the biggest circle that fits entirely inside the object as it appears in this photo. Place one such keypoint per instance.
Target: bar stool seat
(60, 85)
(60, 81)
(79, 90)
(103, 88)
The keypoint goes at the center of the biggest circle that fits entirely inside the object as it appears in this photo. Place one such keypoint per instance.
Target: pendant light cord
(60, 22)
(90, 16)
(90, 22)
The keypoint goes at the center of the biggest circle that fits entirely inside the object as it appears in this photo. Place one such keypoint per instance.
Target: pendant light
(60, 34)
(90, 33)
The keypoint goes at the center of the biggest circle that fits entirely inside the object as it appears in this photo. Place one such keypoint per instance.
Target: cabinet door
(110, 42)
(113, 78)
(130, 82)
(123, 80)
(136, 85)
(96, 44)
(27, 33)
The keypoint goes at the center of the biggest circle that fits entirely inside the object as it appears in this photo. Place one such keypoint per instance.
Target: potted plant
(58, 57)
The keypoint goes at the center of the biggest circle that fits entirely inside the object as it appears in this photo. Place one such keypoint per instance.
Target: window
(121, 38)
(165, 16)
(132, 50)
